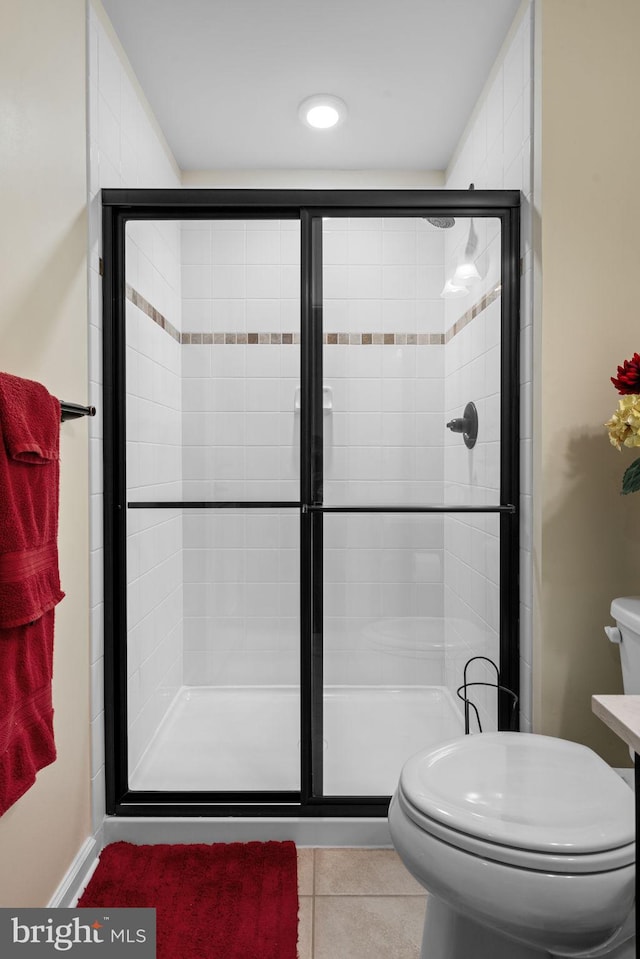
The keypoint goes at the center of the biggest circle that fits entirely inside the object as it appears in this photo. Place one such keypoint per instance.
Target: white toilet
(526, 844)
(626, 632)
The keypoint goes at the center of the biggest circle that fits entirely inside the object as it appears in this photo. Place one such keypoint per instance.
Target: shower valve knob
(457, 426)
(467, 424)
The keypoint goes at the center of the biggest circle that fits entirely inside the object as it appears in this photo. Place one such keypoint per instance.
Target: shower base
(245, 738)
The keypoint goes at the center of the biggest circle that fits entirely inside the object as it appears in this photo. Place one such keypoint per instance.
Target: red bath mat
(225, 901)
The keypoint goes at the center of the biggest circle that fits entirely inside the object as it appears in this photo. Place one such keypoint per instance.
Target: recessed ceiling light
(322, 111)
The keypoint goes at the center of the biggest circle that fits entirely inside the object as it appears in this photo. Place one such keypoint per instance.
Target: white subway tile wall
(241, 597)
(383, 444)
(382, 279)
(495, 153)
(154, 472)
(384, 441)
(472, 476)
(383, 600)
(125, 151)
(241, 441)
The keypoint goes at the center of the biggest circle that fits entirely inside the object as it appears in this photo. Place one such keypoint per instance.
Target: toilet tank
(626, 612)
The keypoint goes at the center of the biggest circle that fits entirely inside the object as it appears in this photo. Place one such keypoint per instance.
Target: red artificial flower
(628, 379)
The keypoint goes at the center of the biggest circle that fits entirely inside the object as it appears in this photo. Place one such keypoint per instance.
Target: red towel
(29, 580)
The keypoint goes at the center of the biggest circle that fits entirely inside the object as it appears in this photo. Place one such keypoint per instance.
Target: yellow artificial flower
(624, 425)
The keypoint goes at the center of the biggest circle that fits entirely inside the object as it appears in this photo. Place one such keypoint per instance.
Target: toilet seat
(532, 801)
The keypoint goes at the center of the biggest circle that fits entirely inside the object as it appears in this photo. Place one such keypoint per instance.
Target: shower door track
(307, 206)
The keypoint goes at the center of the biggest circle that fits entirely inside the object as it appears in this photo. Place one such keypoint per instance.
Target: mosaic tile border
(138, 300)
(472, 312)
(329, 339)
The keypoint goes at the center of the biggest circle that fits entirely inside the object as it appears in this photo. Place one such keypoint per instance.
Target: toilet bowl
(526, 844)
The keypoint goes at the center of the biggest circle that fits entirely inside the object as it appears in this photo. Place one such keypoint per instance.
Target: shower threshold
(246, 738)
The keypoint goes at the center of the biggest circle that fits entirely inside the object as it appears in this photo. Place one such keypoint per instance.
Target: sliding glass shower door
(213, 454)
(409, 512)
(304, 544)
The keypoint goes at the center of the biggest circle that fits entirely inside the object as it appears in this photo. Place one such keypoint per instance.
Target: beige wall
(43, 336)
(587, 542)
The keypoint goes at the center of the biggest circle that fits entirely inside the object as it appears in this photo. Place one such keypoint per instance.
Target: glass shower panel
(212, 416)
(383, 361)
(472, 295)
(241, 359)
(405, 348)
(412, 320)
(153, 323)
(403, 610)
(214, 670)
(383, 663)
(213, 360)
(154, 623)
(471, 589)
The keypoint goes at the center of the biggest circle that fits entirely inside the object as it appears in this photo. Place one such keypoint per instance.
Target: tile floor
(358, 903)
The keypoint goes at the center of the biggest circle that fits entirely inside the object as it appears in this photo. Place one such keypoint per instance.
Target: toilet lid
(523, 790)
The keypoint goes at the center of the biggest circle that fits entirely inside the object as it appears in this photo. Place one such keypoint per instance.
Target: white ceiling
(225, 77)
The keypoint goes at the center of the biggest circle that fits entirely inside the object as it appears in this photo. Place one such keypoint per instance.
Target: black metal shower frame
(119, 206)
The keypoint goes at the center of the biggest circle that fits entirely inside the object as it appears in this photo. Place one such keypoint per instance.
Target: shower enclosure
(304, 542)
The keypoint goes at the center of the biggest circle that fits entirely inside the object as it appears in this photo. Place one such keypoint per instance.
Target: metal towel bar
(71, 411)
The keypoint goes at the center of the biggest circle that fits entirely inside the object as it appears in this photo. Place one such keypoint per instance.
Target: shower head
(442, 222)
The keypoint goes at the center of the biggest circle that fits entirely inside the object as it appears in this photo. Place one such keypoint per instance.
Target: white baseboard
(77, 875)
